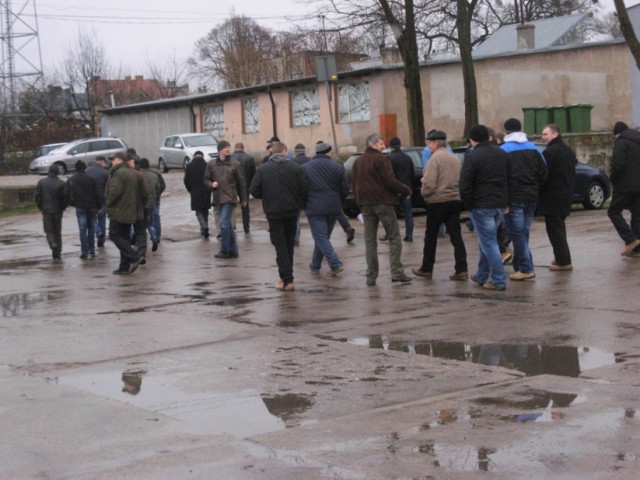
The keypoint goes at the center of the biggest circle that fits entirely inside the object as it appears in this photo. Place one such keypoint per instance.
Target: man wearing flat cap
(442, 196)
(484, 190)
(625, 178)
(527, 174)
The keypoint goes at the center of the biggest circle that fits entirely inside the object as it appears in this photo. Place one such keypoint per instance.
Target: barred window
(251, 116)
(353, 102)
(305, 106)
(214, 120)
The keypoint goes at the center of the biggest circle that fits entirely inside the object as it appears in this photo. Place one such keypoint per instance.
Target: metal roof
(548, 32)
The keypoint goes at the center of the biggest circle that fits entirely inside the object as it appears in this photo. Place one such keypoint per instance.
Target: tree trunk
(408, 46)
(463, 23)
(627, 30)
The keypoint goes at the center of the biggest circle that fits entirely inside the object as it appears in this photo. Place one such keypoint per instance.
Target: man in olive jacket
(377, 193)
(556, 195)
(121, 202)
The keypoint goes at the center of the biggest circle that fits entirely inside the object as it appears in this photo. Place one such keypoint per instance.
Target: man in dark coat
(249, 166)
(282, 186)
(84, 194)
(403, 170)
(51, 200)
(98, 170)
(625, 178)
(556, 195)
(200, 194)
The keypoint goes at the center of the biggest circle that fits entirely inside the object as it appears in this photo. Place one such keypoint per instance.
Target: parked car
(177, 150)
(86, 149)
(592, 184)
(47, 149)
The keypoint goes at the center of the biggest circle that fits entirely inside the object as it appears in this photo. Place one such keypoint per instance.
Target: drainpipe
(273, 113)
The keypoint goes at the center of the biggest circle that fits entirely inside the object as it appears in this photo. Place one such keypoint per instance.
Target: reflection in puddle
(233, 301)
(12, 304)
(240, 414)
(531, 359)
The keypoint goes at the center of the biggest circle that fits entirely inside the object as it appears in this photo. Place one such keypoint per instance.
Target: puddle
(531, 359)
(241, 414)
(233, 301)
(15, 303)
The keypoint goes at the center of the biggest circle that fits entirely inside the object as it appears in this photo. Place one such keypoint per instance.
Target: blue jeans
(486, 222)
(156, 222)
(518, 222)
(405, 203)
(228, 236)
(100, 223)
(86, 219)
(151, 227)
(321, 228)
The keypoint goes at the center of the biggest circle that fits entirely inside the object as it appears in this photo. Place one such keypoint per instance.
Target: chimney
(526, 36)
(127, 78)
(139, 77)
(390, 55)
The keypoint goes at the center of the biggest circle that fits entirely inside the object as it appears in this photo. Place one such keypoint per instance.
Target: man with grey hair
(377, 193)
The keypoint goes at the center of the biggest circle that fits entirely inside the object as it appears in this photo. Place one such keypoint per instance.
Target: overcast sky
(132, 31)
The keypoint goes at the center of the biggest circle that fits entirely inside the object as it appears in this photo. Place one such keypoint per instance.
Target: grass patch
(19, 210)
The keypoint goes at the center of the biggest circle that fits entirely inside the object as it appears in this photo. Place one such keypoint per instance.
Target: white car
(177, 150)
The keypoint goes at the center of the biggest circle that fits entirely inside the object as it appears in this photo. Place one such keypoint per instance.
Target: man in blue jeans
(527, 174)
(85, 196)
(484, 189)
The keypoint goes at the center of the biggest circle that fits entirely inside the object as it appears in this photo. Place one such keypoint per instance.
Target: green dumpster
(544, 116)
(561, 118)
(529, 120)
(580, 117)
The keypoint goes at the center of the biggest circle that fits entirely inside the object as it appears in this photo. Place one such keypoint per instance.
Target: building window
(251, 115)
(305, 107)
(214, 120)
(353, 102)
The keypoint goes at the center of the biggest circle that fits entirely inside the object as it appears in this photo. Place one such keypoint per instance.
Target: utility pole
(21, 67)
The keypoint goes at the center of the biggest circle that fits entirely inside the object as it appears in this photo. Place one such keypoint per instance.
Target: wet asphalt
(194, 367)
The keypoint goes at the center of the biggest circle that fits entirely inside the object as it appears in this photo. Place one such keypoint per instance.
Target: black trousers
(449, 214)
(625, 201)
(120, 235)
(246, 216)
(52, 224)
(557, 233)
(283, 234)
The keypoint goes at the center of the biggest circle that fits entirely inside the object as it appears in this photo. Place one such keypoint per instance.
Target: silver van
(177, 150)
(86, 149)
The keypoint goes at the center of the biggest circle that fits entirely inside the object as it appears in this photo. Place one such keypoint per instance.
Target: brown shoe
(491, 286)
(560, 268)
(457, 277)
(506, 257)
(285, 287)
(419, 273)
(518, 276)
(628, 250)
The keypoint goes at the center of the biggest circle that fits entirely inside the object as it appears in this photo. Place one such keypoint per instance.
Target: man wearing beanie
(527, 173)
(625, 178)
(198, 191)
(300, 154)
(403, 170)
(377, 191)
(484, 190)
(328, 187)
(249, 168)
(52, 200)
(440, 190)
(225, 178)
(83, 193)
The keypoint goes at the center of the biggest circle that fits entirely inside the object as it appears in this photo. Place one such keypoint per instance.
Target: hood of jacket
(518, 137)
(279, 157)
(631, 135)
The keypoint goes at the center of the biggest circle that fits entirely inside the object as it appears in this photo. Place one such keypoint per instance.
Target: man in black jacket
(98, 170)
(556, 195)
(625, 178)
(84, 194)
(200, 194)
(52, 200)
(484, 190)
(403, 170)
(249, 166)
(282, 186)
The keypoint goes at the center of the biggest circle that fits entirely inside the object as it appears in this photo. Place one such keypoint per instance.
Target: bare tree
(172, 74)
(522, 11)
(86, 59)
(233, 54)
(627, 30)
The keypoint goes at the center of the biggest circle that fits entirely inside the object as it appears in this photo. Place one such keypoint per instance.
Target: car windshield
(199, 141)
(46, 150)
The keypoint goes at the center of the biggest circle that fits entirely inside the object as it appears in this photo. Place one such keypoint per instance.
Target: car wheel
(162, 166)
(62, 167)
(186, 162)
(595, 196)
(352, 212)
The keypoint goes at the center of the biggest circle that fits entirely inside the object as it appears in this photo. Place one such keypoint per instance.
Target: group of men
(128, 192)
